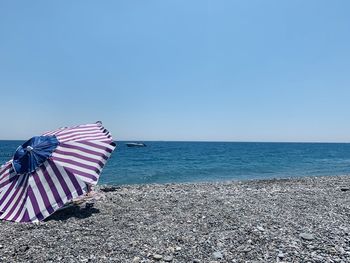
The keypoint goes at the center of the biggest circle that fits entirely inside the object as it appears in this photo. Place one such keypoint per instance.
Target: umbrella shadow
(75, 211)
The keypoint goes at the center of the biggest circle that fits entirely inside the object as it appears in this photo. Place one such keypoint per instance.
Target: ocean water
(174, 162)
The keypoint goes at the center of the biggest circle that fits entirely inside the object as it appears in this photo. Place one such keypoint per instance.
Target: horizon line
(233, 141)
(213, 141)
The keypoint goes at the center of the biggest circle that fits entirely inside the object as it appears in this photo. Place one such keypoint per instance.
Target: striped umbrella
(48, 171)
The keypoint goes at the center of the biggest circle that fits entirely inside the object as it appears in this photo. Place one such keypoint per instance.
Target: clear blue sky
(177, 70)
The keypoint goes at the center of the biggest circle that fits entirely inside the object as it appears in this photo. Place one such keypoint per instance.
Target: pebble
(307, 236)
(23, 248)
(157, 257)
(341, 250)
(218, 255)
(280, 255)
(168, 258)
(318, 258)
(260, 228)
(177, 248)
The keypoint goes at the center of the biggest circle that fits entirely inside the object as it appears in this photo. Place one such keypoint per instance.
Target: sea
(186, 162)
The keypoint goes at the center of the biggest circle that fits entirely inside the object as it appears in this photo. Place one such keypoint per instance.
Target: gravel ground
(285, 220)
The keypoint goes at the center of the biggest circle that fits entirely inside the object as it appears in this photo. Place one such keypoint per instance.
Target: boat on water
(135, 144)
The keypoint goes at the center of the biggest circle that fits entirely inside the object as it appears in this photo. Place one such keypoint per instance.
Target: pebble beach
(279, 220)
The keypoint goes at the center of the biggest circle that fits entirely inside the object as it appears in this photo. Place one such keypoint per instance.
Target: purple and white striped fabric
(77, 161)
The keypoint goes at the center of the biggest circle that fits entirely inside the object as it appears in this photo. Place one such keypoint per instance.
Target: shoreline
(219, 181)
(257, 220)
(228, 181)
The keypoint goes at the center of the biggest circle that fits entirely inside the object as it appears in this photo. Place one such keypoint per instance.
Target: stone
(341, 250)
(168, 258)
(157, 257)
(344, 189)
(218, 255)
(260, 228)
(280, 255)
(23, 248)
(171, 249)
(307, 236)
(318, 258)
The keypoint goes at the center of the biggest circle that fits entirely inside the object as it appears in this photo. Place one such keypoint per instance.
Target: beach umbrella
(50, 170)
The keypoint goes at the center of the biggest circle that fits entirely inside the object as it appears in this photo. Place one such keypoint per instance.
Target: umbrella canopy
(48, 171)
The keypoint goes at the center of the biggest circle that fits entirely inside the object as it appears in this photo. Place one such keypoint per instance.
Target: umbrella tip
(99, 122)
(29, 148)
